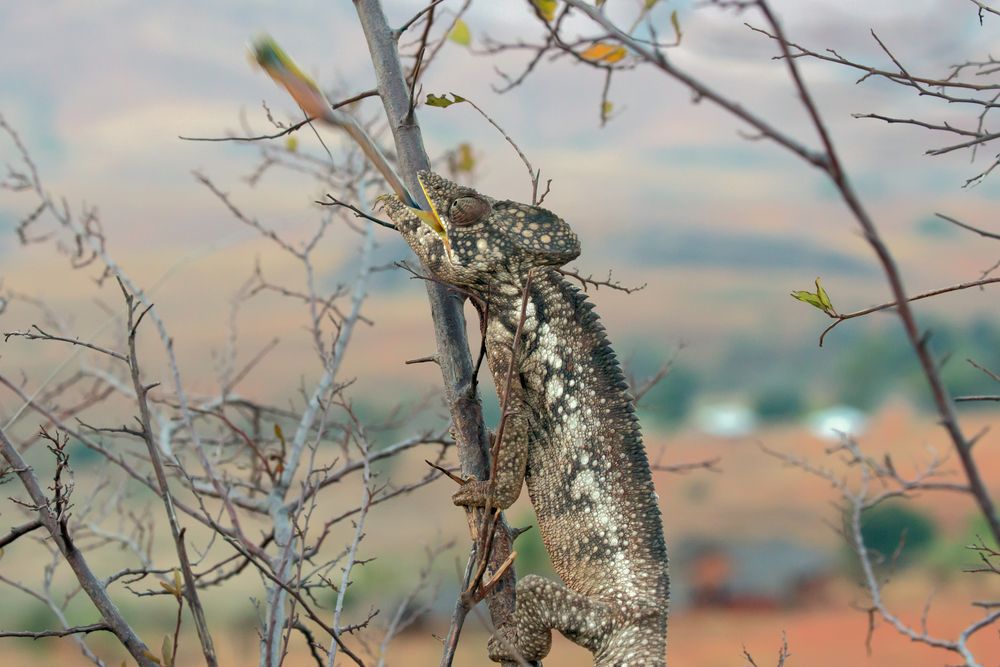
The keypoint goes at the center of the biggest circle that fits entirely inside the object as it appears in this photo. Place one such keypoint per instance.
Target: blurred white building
(835, 422)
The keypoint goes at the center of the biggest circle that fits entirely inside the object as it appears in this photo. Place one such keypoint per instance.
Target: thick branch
(453, 354)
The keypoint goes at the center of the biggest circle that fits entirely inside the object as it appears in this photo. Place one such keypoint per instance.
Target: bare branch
(77, 630)
(711, 465)
(74, 557)
(963, 225)
(39, 334)
(453, 354)
(358, 213)
(190, 589)
(19, 531)
(288, 130)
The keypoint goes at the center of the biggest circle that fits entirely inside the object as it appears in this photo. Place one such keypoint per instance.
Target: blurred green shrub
(531, 555)
(889, 527)
(952, 556)
(669, 401)
(779, 404)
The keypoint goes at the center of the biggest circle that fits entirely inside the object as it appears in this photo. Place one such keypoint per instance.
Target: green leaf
(442, 101)
(810, 298)
(460, 33)
(676, 23)
(547, 8)
(824, 298)
(436, 101)
(650, 4)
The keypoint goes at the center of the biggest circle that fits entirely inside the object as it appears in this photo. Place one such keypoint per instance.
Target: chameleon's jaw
(398, 211)
(397, 208)
(430, 218)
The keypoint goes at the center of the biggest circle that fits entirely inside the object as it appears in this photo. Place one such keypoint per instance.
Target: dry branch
(91, 585)
(453, 354)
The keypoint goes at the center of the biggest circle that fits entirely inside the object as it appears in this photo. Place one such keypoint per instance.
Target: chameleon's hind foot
(504, 646)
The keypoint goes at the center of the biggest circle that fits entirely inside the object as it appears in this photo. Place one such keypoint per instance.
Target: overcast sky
(668, 193)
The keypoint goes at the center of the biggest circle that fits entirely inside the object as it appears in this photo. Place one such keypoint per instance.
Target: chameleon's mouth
(430, 218)
(430, 221)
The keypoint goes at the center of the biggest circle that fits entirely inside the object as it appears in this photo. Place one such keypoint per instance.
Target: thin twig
(533, 175)
(141, 391)
(288, 130)
(841, 317)
(44, 335)
(358, 213)
(964, 225)
(18, 531)
(77, 630)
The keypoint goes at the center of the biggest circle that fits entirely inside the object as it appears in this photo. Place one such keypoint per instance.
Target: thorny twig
(533, 174)
(783, 653)
(589, 280)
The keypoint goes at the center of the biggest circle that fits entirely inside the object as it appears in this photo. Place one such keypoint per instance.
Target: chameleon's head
(467, 238)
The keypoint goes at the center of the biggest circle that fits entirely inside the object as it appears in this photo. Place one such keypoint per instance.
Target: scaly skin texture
(571, 434)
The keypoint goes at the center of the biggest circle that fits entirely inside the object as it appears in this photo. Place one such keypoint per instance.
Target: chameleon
(571, 435)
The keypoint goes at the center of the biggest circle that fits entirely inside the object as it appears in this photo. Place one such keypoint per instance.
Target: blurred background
(669, 194)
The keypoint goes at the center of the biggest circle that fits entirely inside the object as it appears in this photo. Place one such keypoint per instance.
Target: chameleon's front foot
(477, 493)
(474, 493)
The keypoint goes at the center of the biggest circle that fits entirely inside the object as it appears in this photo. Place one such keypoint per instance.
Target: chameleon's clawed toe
(473, 493)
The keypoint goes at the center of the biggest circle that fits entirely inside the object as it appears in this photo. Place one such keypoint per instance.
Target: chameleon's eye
(466, 211)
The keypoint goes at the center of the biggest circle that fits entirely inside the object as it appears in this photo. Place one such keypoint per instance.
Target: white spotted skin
(571, 434)
(587, 473)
